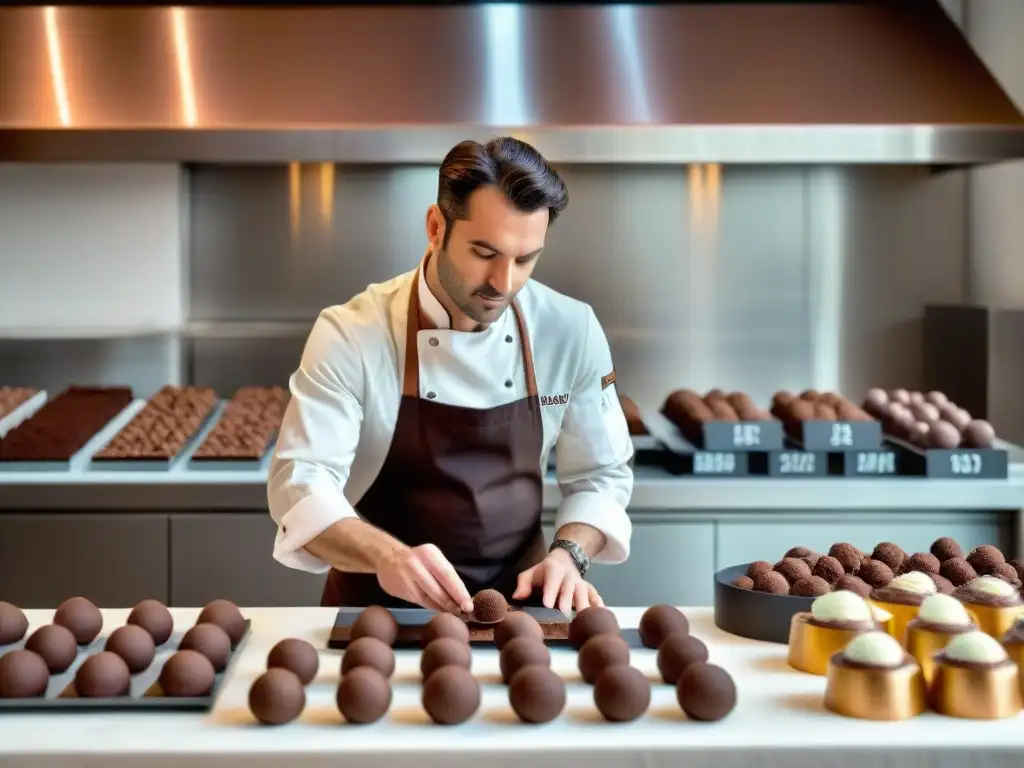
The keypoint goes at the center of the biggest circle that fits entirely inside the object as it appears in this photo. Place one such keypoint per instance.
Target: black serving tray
(754, 615)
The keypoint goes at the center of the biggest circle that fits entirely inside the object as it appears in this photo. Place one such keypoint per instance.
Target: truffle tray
(412, 620)
(144, 692)
(162, 463)
(754, 615)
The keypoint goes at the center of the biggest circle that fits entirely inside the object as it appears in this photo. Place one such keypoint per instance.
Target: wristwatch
(579, 557)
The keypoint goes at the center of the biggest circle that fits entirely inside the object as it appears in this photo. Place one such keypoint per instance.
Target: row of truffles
(690, 411)
(811, 405)
(249, 423)
(634, 420)
(162, 428)
(806, 573)
(63, 425)
(928, 420)
(12, 398)
(52, 649)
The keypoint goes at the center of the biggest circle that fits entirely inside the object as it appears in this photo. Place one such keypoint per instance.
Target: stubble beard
(457, 292)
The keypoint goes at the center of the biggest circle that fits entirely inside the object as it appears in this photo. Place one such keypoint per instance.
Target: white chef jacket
(345, 395)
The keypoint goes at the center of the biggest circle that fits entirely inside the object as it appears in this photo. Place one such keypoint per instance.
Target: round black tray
(757, 615)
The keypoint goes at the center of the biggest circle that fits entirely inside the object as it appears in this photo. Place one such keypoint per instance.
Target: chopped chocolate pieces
(161, 429)
(250, 422)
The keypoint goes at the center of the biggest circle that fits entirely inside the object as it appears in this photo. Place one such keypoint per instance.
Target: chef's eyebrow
(488, 247)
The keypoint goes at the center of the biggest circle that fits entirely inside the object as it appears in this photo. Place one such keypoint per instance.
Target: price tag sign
(967, 464)
(797, 464)
(742, 436)
(879, 463)
(839, 436)
(720, 463)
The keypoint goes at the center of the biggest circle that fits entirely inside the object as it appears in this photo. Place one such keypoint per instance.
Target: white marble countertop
(779, 720)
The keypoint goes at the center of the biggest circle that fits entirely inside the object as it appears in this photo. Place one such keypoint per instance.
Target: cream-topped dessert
(975, 678)
(873, 678)
(908, 589)
(993, 603)
(975, 648)
(833, 621)
(843, 610)
(939, 619)
(874, 649)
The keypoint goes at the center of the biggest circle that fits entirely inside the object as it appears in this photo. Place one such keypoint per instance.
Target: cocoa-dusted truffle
(793, 569)
(80, 616)
(536, 694)
(1006, 572)
(364, 695)
(706, 692)
(744, 582)
(134, 645)
(56, 645)
(595, 620)
(923, 562)
(757, 566)
(489, 606)
(153, 616)
(377, 622)
(979, 434)
(522, 652)
(602, 651)
(875, 573)
(848, 556)
(1018, 566)
(23, 675)
(370, 651)
(853, 584)
(942, 584)
(622, 693)
(984, 558)
(811, 586)
(659, 622)
(958, 571)
(209, 640)
(13, 623)
(187, 674)
(946, 548)
(890, 554)
(798, 552)
(677, 653)
(102, 676)
(445, 625)
(225, 615)
(444, 652)
(517, 624)
(829, 569)
(772, 582)
(277, 697)
(298, 656)
(451, 695)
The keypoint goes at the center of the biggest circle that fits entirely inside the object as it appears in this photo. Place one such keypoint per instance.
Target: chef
(411, 459)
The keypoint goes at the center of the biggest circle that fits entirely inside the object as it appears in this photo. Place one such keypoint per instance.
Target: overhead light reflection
(295, 202)
(506, 97)
(327, 196)
(623, 19)
(60, 88)
(184, 60)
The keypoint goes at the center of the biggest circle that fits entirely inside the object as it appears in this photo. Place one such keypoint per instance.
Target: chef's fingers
(420, 597)
(445, 575)
(594, 595)
(566, 593)
(581, 595)
(425, 581)
(554, 575)
(527, 580)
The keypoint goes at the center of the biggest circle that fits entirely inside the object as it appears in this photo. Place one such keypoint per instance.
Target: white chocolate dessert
(901, 597)
(994, 604)
(873, 678)
(833, 621)
(975, 678)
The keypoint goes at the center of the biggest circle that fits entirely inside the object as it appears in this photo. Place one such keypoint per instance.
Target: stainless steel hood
(852, 82)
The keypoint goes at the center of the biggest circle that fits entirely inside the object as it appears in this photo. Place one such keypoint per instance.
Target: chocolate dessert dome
(939, 619)
(536, 694)
(875, 649)
(13, 623)
(833, 621)
(81, 617)
(489, 606)
(377, 622)
(277, 697)
(975, 678)
(592, 621)
(364, 695)
(56, 645)
(153, 616)
(994, 603)
(23, 675)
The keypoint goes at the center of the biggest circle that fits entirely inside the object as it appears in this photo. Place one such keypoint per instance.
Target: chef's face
(489, 255)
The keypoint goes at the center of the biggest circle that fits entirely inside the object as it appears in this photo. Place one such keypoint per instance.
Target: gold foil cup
(884, 618)
(1016, 653)
(811, 645)
(901, 615)
(875, 693)
(976, 693)
(994, 620)
(923, 643)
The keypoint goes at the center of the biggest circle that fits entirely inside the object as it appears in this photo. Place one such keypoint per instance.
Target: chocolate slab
(755, 615)
(245, 433)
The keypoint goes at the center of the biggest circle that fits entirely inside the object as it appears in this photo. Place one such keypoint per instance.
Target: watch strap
(576, 552)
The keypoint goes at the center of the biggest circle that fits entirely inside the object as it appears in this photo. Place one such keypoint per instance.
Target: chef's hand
(561, 582)
(422, 575)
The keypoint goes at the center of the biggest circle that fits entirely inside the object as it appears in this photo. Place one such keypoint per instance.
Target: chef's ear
(435, 227)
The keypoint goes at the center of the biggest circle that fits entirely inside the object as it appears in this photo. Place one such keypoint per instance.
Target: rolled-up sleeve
(317, 443)
(593, 451)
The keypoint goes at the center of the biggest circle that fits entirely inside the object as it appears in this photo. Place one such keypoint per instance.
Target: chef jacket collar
(429, 303)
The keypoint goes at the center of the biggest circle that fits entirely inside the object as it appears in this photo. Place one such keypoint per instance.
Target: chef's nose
(500, 278)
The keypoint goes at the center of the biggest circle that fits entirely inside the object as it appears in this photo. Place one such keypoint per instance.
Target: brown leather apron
(467, 480)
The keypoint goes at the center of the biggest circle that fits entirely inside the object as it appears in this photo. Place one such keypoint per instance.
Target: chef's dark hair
(511, 165)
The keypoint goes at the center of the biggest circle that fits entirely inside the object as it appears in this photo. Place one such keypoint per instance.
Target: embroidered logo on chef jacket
(546, 401)
(607, 381)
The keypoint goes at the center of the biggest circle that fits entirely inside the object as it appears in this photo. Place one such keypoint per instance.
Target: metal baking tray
(754, 615)
(22, 412)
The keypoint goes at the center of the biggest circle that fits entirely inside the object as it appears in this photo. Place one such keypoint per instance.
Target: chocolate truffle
(1006, 572)
(659, 622)
(936, 398)
(946, 548)
(377, 622)
(522, 652)
(364, 695)
(848, 556)
(875, 573)
(875, 399)
(134, 645)
(153, 616)
(23, 675)
(677, 653)
(80, 616)
(811, 586)
(757, 566)
(979, 434)
(744, 582)
(298, 656)
(225, 615)
(489, 606)
(56, 645)
(622, 693)
(829, 569)
(602, 651)
(209, 640)
(1018, 566)
(793, 569)
(853, 584)
(517, 624)
(536, 694)
(103, 675)
(958, 571)
(589, 622)
(451, 695)
(187, 674)
(13, 623)
(890, 554)
(984, 558)
(370, 651)
(706, 692)
(942, 584)
(798, 552)
(277, 697)
(772, 582)
(923, 562)
(445, 625)
(943, 435)
(444, 652)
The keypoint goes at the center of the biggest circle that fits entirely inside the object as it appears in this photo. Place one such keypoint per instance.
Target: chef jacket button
(433, 341)
(508, 339)
(431, 395)
(508, 383)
